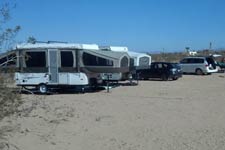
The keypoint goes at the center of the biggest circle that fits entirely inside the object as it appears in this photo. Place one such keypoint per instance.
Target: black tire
(145, 78)
(42, 88)
(199, 71)
(164, 77)
(93, 81)
(82, 89)
(175, 78)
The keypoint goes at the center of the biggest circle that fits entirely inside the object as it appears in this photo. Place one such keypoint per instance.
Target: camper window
(9, 60)
(144, 61)
(35, 59)
(184, 61)
(67, 59)
(124, 62)
(12, 60)
(3, 61)
(91, 60)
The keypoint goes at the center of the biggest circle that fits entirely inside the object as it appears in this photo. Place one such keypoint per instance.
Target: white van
(198, 65)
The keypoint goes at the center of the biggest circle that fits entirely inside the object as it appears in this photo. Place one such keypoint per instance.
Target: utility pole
(210, 45)
(163, 54)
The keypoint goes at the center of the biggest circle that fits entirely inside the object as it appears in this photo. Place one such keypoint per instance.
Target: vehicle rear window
(165, 65)
(184, 61)
(192, 61)
(197, 60)
(160, 66)
(175, 65)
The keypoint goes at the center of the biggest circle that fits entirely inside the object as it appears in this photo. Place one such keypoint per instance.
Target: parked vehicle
(198, 65)
(221, 65)
(219, 61)
(161, 70)
(56, 65)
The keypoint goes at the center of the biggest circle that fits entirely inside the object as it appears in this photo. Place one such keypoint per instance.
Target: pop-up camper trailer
(140, 60)
(119, 75)
(47, 65)
(121, 61)
(137, 61)
(104, 62)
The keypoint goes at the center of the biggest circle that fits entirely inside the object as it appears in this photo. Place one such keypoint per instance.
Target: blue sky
(142, 25)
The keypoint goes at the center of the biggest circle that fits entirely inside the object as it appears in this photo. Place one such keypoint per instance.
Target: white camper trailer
(140, 59)
(47, 65)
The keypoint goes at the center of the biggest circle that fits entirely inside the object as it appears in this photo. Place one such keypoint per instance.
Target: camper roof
(135, 54)
(90, 46)
(109, 54)
(57, 45)
(114, 48)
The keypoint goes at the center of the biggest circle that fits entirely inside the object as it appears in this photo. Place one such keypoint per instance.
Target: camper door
(53, 65)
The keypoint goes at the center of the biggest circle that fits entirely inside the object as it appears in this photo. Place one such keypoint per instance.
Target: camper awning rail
(57, 46)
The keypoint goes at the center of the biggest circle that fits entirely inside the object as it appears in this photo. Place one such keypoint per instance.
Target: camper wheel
(42, 88)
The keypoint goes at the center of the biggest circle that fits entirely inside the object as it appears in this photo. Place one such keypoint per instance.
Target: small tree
(7, 35)
(9, 99)
(31, 40)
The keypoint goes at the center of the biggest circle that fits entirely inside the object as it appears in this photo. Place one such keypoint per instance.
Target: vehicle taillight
(46, 75)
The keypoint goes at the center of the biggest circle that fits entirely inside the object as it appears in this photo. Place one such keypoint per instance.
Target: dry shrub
(10, 99)
(168, 57)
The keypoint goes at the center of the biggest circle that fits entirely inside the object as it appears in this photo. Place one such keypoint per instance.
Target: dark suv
(162, 70)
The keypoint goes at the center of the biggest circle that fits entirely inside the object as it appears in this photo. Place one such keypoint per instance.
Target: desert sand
(187, 114)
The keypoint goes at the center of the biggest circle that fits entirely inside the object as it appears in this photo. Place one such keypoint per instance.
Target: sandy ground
(187, 114)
